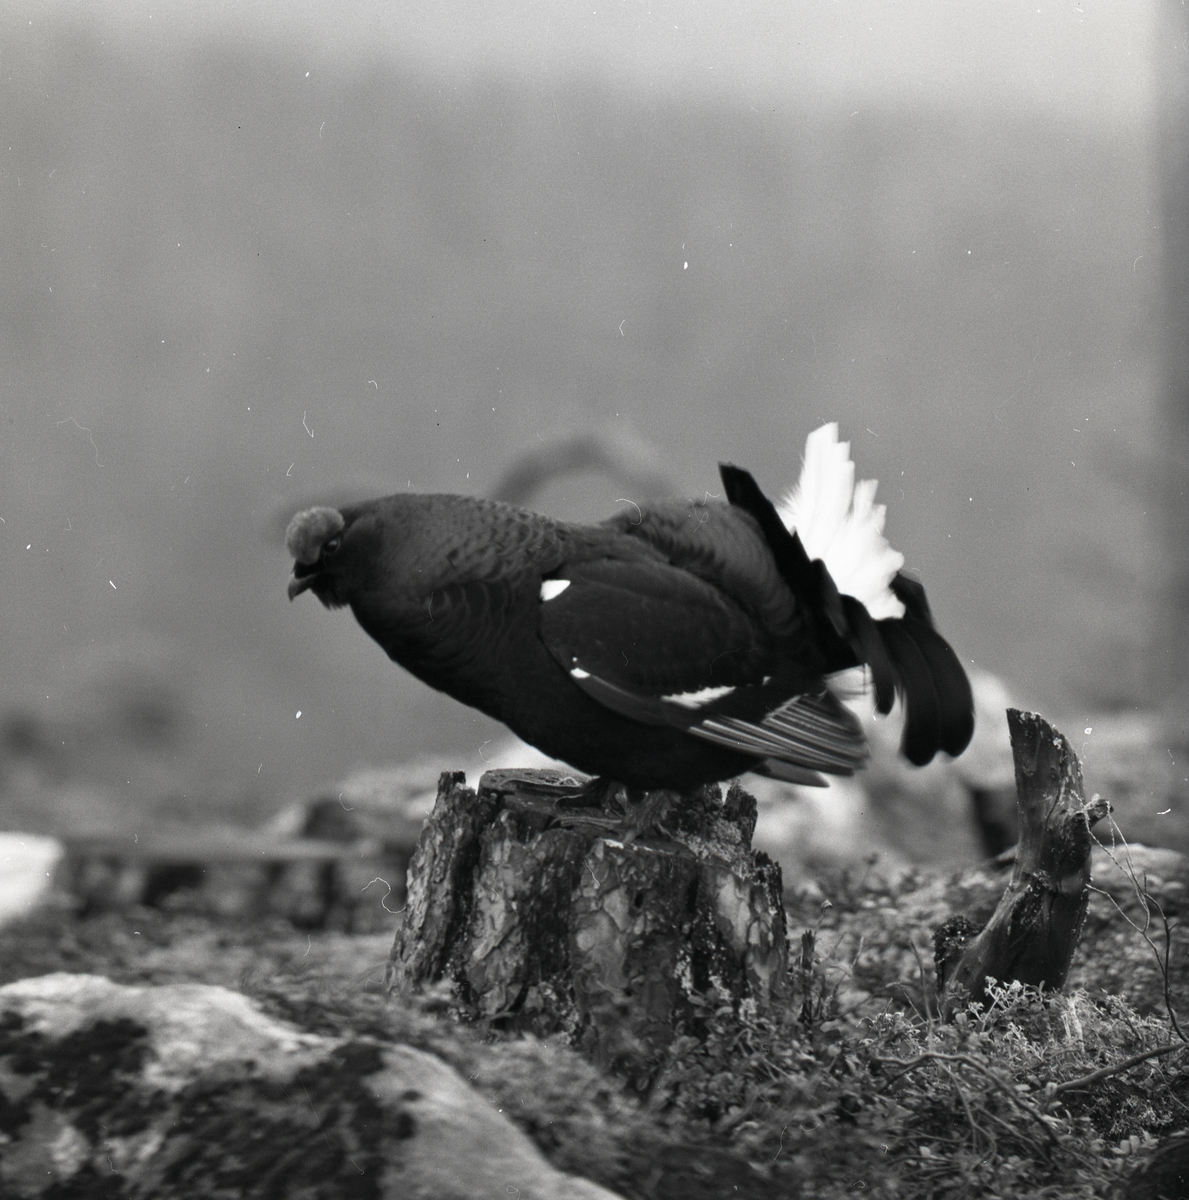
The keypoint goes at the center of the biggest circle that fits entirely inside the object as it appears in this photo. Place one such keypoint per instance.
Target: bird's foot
(645, 812)
(624, 812)
(629, 812)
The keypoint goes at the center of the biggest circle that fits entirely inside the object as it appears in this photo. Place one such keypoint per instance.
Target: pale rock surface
(27, 865)
(189, 1090)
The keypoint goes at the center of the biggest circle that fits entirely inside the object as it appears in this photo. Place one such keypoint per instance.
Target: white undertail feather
(839, 522)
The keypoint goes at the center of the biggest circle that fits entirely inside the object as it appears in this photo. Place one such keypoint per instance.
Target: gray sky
(1086, 55)
(965, 281)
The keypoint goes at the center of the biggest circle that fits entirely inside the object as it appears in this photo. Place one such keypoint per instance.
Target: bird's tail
(839, 522)
(827, 538)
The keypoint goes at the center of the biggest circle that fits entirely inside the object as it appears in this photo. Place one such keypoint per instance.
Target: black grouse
(675, 644)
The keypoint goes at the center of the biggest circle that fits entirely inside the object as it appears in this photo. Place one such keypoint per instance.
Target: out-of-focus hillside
(231, 282)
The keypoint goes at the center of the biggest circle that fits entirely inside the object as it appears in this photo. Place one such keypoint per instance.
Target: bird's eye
(332, 546)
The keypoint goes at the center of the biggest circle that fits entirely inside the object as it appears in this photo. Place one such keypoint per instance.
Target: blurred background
(258, 256)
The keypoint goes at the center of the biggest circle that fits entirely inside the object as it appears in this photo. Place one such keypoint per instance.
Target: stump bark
(546, 918)
(1034, 931)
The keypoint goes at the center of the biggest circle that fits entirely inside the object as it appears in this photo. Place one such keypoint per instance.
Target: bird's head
(326, 549)
(386, 552)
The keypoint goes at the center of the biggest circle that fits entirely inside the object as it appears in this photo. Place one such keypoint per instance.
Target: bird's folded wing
(721, 544)
(649, 628)
(813, 731)
(656, 645)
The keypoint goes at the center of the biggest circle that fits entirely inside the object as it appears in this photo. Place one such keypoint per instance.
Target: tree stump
(1034, 931)
(545, 917)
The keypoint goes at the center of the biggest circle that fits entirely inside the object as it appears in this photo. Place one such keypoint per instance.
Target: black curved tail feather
(922, 708)
(911, 594)
(949, 678)
(808, 578)
(906, 655)
(956, 702)
(871, 649)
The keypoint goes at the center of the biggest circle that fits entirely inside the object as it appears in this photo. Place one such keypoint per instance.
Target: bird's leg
(633, 810)
(601, 803)
(646, 811)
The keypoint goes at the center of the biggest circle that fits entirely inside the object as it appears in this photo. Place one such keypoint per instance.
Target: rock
(27, 865)
(1120, 871)
(189, 1090)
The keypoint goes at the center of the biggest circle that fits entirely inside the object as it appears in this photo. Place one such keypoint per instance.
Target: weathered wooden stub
(1034, 931)
(544, 917)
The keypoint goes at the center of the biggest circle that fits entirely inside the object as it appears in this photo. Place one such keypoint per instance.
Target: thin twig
(1164, 970)
(1146, 901)
(1071, 1085)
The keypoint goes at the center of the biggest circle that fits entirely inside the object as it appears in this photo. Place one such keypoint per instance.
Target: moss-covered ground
(852, 1087)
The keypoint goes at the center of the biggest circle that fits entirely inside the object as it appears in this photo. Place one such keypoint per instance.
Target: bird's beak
(299, 584)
